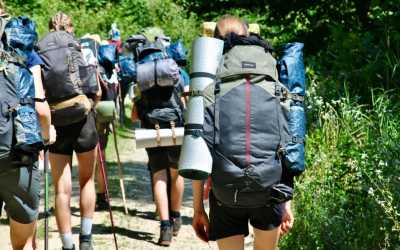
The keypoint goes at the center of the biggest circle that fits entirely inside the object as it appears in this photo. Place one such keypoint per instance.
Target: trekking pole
(104, 175)
(120, 169)
(46, 199)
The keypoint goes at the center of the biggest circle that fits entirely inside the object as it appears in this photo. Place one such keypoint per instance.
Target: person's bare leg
(101, 188)
(231, 243)
(266, 239)
(177, 188)
(160, 193)
(61, 174)
(22, 235)
(87, 200)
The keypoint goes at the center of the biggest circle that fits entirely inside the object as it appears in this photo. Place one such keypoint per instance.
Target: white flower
(364, 156)
(371, 191)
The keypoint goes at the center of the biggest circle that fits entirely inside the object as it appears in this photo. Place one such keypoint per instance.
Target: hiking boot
(176, 225)
(85, 242)
(73, 248)
(165, 236)
(101, 202)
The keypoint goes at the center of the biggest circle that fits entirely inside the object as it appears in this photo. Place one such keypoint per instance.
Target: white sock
(67, 240)
(86, 226)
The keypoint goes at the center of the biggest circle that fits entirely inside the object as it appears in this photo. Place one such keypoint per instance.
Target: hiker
(115, 37)
(71, 100)
(20, 176)
(159, 106)
(249, 183)
(109, 89)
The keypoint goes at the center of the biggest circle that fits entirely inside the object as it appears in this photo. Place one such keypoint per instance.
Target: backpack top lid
(247, 60)
(57, 39)
(21, 33)
(149, 48)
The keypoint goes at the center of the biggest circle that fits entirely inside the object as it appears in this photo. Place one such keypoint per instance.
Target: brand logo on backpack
(249, 65)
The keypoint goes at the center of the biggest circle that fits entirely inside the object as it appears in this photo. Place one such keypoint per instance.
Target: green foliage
(349, 197)
(96, 16)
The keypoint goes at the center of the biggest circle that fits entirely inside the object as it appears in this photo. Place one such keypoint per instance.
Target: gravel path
(138, 229)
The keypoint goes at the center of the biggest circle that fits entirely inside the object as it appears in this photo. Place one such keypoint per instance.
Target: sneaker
(85, 242)
(176, 225)
(73, 248)
(101, 202)
(165, 236)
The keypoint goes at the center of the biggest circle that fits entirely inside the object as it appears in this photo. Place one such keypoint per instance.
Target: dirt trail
(138, 229)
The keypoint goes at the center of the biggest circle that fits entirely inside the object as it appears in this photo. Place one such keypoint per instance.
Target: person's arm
(135, 104)
(198, 189)
(99, 91)
(200, 221)
(42, 108)
(134, 113)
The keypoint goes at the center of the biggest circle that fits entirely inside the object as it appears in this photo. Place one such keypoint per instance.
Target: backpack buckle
(297, 98)
(281, 151)
(278, 90)
(296, 139)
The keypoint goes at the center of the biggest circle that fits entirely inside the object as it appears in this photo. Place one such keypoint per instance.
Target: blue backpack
(19, 124)
(107, 56)
(178, 52)
(127, 66)
(292, 75)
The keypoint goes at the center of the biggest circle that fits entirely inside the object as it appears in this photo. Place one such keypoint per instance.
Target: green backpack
(246, 128)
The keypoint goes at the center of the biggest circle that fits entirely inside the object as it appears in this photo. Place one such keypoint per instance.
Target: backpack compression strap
(192, 128)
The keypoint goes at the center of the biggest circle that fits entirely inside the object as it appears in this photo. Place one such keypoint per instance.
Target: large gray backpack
(246, 128)
(62, 58)
(66, 76)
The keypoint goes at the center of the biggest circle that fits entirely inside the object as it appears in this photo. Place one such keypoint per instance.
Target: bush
(349, 197)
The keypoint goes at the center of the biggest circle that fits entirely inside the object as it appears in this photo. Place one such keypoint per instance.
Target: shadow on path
(101, 229)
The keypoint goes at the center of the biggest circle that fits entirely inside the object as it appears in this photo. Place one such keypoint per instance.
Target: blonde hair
(60, 21)
(230, 24)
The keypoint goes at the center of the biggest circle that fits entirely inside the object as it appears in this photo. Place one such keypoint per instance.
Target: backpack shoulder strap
(217, 92)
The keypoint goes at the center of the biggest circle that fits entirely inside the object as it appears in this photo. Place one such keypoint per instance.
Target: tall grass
(349, 196)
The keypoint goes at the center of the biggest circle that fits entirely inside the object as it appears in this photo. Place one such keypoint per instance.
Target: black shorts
(228, 221)
(79, 137)
(163, 158)
(20, 191)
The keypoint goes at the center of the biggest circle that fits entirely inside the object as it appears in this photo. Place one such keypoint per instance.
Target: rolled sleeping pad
(295, 151)
(195, 160)
(208, 29)
(147, 138)
(292, 75)
(105, 111)
(254, 28)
